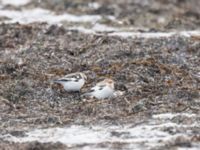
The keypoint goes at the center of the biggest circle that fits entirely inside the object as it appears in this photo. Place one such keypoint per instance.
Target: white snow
(171, 115)
(95, 29)
(103, 28)
(15, 2)
(154, 34)
(152, 133)
(43, 15)
(111, 31)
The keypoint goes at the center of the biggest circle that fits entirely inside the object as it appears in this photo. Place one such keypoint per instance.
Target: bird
(72, 82)
(102, 90)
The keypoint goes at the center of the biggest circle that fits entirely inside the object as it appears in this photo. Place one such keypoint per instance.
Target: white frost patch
(153, 133)
(170, 115)
(70, 136)
(103, 28)
(94, 135)
(42, 15)
(111, 31)
(141, 35)
(154, 34)
(95, 29)
(15, 2)
(82, 30)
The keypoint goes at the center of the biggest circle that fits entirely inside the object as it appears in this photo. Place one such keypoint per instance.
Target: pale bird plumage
(72, 82)
(102, 90)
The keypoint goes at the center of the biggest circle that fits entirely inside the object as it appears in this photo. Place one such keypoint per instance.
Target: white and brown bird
(102, 90)
(72, 82)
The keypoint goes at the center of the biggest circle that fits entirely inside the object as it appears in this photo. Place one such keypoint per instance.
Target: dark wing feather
(61, 80)
(76, 80)
(75, 76)
(68, 78)
(90, 91)
(101, 87)
(64, 80)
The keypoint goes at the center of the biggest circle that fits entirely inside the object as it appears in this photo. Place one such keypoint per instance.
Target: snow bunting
(72, 82)
(102, 90)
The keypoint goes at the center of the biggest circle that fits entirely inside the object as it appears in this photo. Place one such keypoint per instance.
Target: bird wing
(70, 77)
(96, 88)
(73, 75)
(64, 79)
(93, 89)
(101, 87)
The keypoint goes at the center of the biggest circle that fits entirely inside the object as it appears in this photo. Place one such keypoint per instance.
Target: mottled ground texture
(156, 75)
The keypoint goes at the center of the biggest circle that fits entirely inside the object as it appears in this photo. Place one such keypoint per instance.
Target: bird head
(110, 82)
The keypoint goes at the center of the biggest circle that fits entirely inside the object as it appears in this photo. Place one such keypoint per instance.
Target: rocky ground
(156, 75)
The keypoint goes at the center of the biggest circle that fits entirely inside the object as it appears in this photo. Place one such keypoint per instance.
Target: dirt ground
(156, 75)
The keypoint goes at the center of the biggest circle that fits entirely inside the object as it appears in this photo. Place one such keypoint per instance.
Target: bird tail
(56, 81)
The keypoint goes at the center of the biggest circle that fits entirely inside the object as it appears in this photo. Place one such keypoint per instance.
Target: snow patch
(111, 31)
(154, 34)
(43, 15)
(15, 2)
(95, 29)
(170, 115)
(153, 133)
